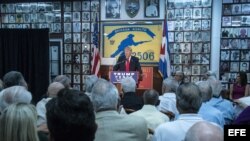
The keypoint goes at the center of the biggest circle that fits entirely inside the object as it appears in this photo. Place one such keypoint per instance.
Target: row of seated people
(94, 115)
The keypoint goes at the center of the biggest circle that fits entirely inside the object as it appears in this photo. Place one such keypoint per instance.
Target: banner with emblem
(143, 37)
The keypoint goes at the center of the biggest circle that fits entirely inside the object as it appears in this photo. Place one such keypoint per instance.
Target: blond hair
(18, 123)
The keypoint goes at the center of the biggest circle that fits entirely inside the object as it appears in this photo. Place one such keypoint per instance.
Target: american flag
(164, 62)
(96, 56)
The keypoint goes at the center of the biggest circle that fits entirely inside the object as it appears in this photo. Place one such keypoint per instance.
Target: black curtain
(27, 51)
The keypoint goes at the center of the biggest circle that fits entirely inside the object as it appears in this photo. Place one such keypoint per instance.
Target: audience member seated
(53, 89)
(14, 78)
(243, 118)
(179, 77)
(70, 117)
(188, 102)
(204, 131)
(18, 123)
(225, 106)
(149, 111)
(111, 125)
(14, 94)
(64, 80)
(89, 83)
(168, 99)
(130, 100)
(240, 88)
(207, 111)
(225, 94)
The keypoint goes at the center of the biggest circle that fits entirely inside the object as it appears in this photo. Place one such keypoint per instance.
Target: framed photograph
(170, 14)
(67, 68)
(179, 36)
(245, 55)
(76, 27)
(171, 36)
(197, 13)
(245, 20)
(206, 36)
(232, 77)
(224, 55)
(236, 20)
(243, 32)
(41, 17)
(57, 27)
(77, 6)
(57, 6)
(76, 78)
(77, 87)
(85, 27)
(67, 48)
(206, 3)
(85, 69)
(227, 9)
(113, 9)
(95, 5)
(205, 59)
(11, 8)
(76, 16)
(206, 25)
(85, 58)
(196, 47)
(77, 48)
(205, 48)
(197, 3)
(234, 43)
(206, 13)
(178, 25)
(94, 16)
(234, 67)
(177, 68)
(171, 25)
(76, 68)
(67, 6)
(12, 18)
(77, 59)
(76, 38)
(187, 70)
(185, 48)
(196, 59)
(86, 5)
(195, 69)
(226, 21)
(236, 9)
(151, 8)
(67, 58)
(177, 58)
(224, 77)
(235, 55)
(197, 36)
(177, 48)
(244, 66)
(67, 38)
(245, 8)
(85, 37)
(188, 25)
(85, 48)
(224, 44)
(188, 13)
(178, 13)
(187, 36)
(197, 25)
(195, 79)
(67, 27)
(85, 16)
(26, 18)
(185, 59)
(204, 69)
(67, 17)
(19, 8)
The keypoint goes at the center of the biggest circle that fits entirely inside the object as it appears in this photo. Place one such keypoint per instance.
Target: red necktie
(127, 65)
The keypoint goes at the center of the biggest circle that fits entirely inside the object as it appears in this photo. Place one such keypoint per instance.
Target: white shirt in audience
(168, 103)
(176, 130)
(41, 111)
(152, 116)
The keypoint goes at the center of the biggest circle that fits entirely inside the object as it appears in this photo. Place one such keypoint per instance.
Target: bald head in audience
(64, 80)
(54, 88)
(209, 132)
(205, 89)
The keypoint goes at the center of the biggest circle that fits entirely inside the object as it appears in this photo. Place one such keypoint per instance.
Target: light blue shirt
(176, 130)
(225, 106)
(210, 113)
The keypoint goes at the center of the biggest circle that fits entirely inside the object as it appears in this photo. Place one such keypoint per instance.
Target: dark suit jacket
(134, 64)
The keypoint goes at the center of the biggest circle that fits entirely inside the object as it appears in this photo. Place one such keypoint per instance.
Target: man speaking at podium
(128, 63)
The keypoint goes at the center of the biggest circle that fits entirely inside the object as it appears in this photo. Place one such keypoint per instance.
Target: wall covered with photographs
(189, 26)
(71, 21)
(235, 42)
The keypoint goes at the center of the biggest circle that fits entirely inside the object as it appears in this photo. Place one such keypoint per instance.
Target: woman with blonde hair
(18, 123)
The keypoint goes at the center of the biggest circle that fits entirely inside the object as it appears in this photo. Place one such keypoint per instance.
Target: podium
(115, 77)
